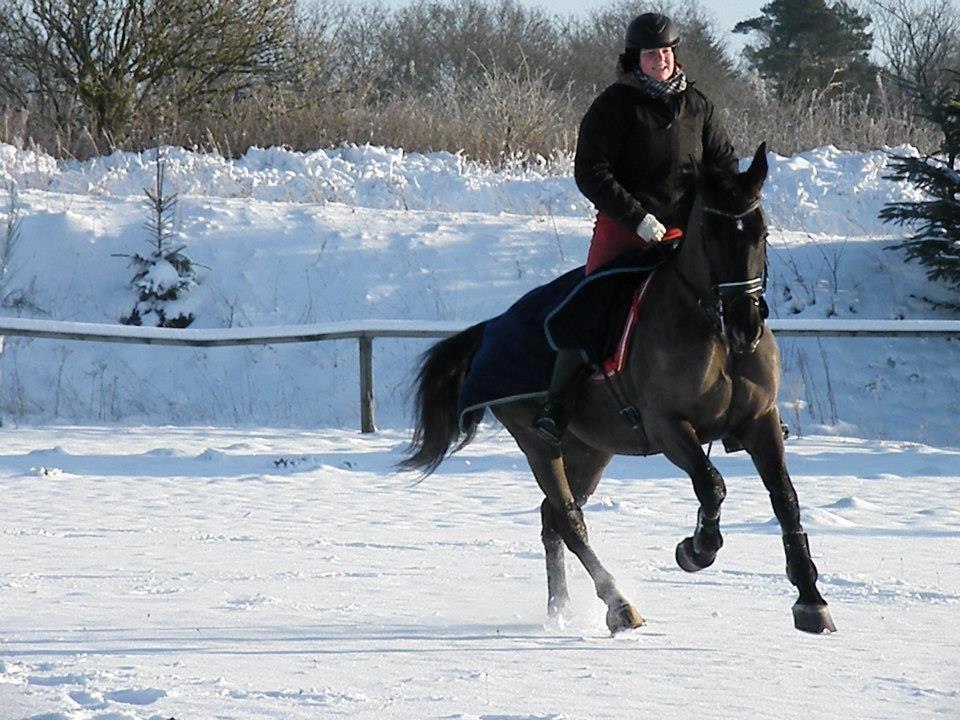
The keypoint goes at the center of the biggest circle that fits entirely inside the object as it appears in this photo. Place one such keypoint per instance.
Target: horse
(702, 366)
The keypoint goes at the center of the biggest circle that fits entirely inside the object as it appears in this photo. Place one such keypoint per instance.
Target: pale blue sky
(727, 12)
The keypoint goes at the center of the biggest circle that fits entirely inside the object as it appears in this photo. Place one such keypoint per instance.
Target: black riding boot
(568, 369)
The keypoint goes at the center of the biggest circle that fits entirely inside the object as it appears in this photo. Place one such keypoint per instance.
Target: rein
(752, 288)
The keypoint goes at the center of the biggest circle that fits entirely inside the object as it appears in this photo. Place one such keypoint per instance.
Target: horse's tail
(437, 428)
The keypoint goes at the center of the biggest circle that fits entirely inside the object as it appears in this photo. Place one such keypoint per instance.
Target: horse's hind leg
(682, 447)
(547, 463)
(583, 466)
(557, 594)
(621, 615)
(764, 442)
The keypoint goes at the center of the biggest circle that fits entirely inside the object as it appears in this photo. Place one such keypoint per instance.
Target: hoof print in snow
(46, 471)
(146, 696)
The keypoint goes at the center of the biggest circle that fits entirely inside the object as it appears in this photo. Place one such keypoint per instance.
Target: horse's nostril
(745, 338)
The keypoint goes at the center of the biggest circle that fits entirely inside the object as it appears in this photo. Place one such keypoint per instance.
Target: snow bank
(361, 176)
(834, 192)
(821, 191)
(361, 234)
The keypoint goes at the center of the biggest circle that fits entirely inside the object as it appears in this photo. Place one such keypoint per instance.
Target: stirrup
(547, 426)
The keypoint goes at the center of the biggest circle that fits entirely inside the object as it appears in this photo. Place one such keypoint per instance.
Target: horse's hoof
(622, 618)
(557, 605)
(689, 559)
(813, 619)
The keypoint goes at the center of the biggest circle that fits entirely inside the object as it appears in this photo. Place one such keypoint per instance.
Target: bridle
(728, 292)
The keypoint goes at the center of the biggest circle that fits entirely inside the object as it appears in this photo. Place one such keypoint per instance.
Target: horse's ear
(754, 176)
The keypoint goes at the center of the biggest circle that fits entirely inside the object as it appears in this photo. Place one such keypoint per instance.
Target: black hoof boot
(813, 619)
(691, 560)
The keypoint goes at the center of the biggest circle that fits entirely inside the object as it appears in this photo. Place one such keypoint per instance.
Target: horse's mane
(729, 189)
(726, 188)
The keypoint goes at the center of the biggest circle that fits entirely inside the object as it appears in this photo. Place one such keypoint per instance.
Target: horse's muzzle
(744, 321)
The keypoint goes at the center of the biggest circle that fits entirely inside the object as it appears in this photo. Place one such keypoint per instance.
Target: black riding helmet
(651, 30)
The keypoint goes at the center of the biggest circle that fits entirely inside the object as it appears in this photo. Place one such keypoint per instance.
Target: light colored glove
(651, 229)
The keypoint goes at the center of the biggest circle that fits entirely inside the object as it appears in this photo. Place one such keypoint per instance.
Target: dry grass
(521, 94)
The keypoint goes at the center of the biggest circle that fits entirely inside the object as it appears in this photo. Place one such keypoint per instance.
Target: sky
(727, 12)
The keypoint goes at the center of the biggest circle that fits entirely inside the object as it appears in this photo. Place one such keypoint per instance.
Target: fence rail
(364, 331)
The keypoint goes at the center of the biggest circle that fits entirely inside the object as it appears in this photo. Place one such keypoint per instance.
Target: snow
(203, 572)
(202, 533)
(469, 242)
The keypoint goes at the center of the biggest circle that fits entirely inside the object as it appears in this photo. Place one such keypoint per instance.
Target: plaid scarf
(657, 90)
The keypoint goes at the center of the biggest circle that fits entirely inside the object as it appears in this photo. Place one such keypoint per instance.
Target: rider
(638, 151)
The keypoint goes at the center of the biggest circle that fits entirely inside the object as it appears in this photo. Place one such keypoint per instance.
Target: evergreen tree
(935, 240)
(808, 45)
(164, 276)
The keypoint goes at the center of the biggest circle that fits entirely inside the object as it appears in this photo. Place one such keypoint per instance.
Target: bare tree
(99, 62)
(431, 42)
(492, 78)
(918, 39)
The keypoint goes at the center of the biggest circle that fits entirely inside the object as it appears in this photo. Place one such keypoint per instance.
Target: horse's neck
(691, 259)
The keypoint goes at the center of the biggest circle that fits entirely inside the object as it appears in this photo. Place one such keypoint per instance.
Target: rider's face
(658, 63)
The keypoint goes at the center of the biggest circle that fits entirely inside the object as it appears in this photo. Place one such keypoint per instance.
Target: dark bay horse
(702, 366)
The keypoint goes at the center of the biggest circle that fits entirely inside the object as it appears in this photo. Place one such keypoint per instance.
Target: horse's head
(734, 241)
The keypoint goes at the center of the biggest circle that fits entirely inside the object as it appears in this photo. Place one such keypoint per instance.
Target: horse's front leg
(681, 446)
(764, 441)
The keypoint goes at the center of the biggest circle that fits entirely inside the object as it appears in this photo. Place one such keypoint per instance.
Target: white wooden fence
(364, 331)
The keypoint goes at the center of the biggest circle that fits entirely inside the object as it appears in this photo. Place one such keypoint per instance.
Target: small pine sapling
(163, 277)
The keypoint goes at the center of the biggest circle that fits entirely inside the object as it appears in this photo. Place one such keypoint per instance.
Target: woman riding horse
(639, 146)
(701, 366)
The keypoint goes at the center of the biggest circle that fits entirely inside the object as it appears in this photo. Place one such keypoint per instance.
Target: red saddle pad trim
(616, 362)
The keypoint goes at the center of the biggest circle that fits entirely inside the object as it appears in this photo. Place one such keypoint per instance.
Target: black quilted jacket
(636, 155)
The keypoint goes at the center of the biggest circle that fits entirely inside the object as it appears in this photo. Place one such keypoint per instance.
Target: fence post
(367, 421)
(2, 339)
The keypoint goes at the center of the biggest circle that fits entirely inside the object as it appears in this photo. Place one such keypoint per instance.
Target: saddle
(590, 312)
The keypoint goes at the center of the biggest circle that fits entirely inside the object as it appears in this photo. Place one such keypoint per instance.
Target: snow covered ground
(204, 534)
(212, 573)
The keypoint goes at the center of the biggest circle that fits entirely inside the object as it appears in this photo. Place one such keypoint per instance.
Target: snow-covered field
(204, 534)
(212, 573)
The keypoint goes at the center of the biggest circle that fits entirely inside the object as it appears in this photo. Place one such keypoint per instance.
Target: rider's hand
(651, 229)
